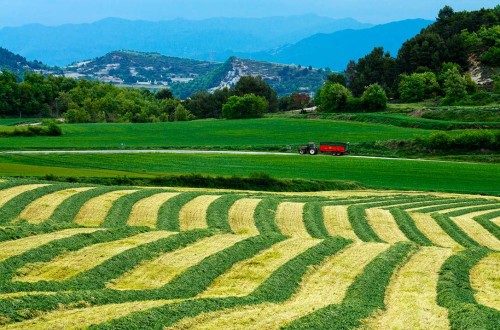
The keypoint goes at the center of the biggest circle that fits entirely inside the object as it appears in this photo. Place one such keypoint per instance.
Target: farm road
(213, 152)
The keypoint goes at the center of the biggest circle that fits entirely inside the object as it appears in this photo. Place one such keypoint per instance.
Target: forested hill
(468, 41)
(464, 38)
(17, 63)
(284, 79)
(130, 67)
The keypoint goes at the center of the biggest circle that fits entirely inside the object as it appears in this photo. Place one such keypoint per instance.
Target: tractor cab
(310, 148)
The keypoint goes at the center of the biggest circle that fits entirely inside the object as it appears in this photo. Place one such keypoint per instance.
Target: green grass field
(17, 121)
(255, 133)
(376, 173)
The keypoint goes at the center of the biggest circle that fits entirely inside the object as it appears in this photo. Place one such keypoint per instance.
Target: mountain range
(212, 39)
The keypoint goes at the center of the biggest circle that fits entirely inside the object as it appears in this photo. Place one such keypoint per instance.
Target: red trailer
(335, 148)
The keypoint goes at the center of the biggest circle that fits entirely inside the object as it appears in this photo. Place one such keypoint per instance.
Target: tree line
(84, 101)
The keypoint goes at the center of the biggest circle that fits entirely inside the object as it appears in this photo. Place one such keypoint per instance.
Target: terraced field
(77, 256)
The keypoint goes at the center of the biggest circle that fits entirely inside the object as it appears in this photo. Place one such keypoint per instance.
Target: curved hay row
(289, 219)
(13, 248)
(158, 272)
(496, 221)
(85, 317)
(410, 298)
(94, 211)
(73, 263)
(145, 211)
(241, 216)
(193, 215)
(244, 277)
(477, 232)
(336, 220)
(323, 285)
(7, 194)
(428, 226)
(41, 209)
(463, 208)
(384, 225)
(485, 280)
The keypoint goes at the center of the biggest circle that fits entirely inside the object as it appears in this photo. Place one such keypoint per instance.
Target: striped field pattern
(74, 256)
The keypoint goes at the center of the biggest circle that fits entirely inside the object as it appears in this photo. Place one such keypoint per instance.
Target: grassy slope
(377, 173)
(211, 133)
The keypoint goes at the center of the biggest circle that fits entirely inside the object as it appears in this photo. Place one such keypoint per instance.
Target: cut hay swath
(41, 209)
(158, 272)
(10, 193)
(244, 277)
(462, 208)
(496, 221)
(485, 280)
(145, 211)
(289, 219)
(323, 285)
(384, 225)
(193, 215)
(85, 317)
(428, 226)
(16, 247)
(73, 263)
(410, 298)
(337, 223)
(241, 216)
(94, 211)
(477, 232)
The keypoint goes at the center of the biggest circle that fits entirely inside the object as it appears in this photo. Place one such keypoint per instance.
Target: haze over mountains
(305, 40)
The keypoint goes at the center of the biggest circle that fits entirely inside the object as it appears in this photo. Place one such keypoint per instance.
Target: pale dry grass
(410, 298)
(94, 211)
(29, 293)
(16, 247)
(428, 226)
(73, 263)
(289, 219)
(451, 208)
(477, 232)
(245, 276)
(496, 221)
(384, 225)
(485, 280)
(85, 317)
(41, 209)
(241, 216)
(145, 211)
(323, 285)
(9, 193)
(336, 220)
(193, 215)
(158, 272)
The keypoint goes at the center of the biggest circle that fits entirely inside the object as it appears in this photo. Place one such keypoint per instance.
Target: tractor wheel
(301, 151)
(313, 151)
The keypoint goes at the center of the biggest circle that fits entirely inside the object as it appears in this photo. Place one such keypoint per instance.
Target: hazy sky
(56, 12)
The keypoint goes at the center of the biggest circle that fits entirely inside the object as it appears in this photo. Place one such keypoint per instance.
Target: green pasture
(17, 121)
(375, 173)
(255, 133)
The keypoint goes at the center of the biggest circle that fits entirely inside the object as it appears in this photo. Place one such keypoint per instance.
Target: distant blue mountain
(334, 50)
(211, 39)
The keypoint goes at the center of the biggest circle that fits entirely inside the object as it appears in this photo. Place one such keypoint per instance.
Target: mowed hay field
(172, 258)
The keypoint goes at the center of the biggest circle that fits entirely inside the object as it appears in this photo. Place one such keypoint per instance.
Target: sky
(57, 12)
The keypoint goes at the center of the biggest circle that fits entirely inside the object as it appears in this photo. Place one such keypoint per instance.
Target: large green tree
(257, 86)
(243, 107)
